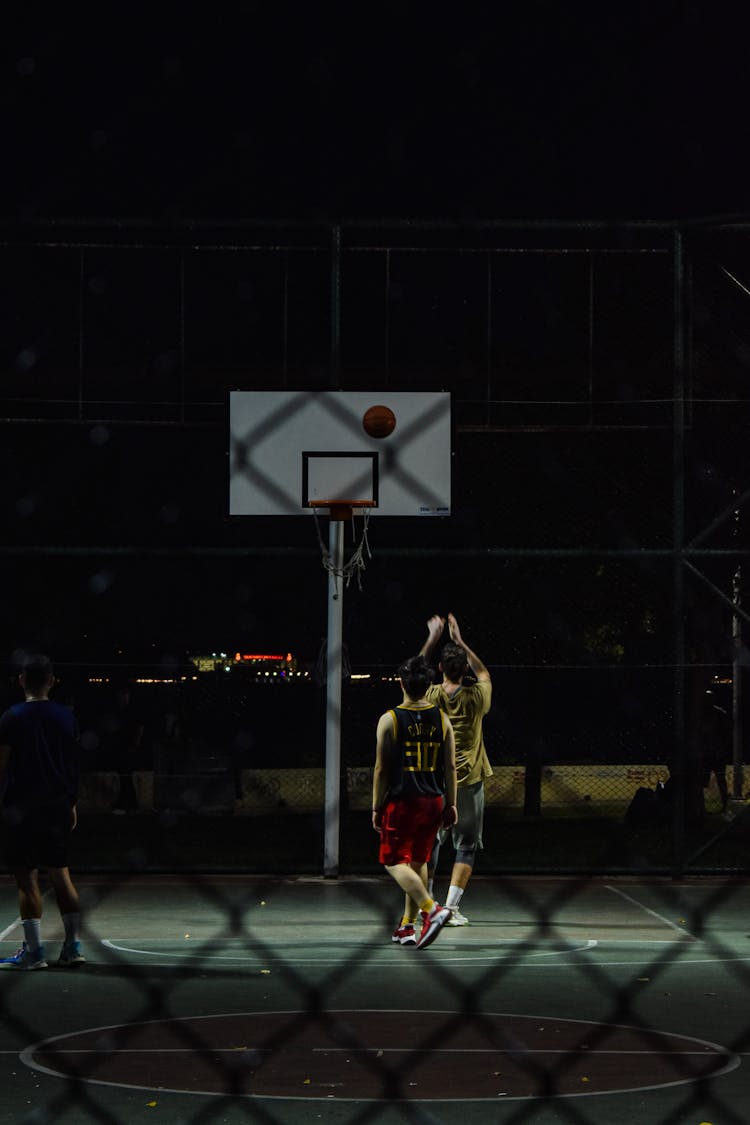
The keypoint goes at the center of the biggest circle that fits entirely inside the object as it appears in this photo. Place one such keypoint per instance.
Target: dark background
(325, 111)
(172, 183)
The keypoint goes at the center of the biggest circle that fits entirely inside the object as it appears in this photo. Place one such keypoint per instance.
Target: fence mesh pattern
(596, 558)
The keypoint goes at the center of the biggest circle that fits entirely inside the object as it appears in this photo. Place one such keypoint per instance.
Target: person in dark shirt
(413, 793)
(39, 764)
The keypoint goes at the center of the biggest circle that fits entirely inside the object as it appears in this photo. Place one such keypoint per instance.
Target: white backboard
(289, 447)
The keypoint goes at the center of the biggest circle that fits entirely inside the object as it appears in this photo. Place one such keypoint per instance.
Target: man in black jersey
(413, 794)
(39, 774)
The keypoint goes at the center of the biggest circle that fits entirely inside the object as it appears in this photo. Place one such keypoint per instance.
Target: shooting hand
(435, 627)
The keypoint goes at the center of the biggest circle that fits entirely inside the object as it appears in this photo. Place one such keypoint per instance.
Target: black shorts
(36, 836)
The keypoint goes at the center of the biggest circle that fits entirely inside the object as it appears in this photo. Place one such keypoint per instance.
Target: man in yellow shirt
(465, 705)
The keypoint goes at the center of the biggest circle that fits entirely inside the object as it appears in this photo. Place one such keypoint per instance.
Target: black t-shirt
(44, 753)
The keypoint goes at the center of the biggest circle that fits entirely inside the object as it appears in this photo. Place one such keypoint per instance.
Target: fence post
(679, 765)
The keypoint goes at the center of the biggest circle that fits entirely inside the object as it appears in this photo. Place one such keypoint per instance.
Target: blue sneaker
(70, 955)
(25, 958)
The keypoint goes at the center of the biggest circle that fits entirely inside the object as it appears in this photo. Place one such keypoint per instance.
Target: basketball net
(356, 563)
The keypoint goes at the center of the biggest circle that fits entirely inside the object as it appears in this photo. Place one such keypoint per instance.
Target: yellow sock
(427, 905)
(407, 921)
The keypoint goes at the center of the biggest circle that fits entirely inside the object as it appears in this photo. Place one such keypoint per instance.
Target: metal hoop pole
(333, 700)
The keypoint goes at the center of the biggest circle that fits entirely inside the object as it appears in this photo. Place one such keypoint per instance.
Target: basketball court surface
(235, 999)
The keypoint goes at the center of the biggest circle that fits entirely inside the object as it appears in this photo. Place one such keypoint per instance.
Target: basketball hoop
(343, 511)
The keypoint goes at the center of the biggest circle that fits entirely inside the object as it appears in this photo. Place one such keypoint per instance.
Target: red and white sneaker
(404, 935)
(432, 924)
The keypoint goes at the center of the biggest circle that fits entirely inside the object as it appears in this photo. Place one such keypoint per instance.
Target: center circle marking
(378, 1055)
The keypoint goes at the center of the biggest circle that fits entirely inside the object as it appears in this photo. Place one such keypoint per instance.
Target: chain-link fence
(595, 556)
(597, 385)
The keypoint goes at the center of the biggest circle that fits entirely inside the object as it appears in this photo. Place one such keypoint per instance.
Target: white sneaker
(458, 919)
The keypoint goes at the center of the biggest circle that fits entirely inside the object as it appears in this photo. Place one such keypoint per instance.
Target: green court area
(283, 1000)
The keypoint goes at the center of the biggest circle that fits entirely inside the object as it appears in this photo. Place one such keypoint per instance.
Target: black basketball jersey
(418, 757)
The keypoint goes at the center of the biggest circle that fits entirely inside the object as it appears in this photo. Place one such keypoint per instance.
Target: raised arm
(476, 665)
(435, 627)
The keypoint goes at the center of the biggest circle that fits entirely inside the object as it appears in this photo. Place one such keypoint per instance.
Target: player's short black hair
(454, 661)
(416, 675)
(37, 671)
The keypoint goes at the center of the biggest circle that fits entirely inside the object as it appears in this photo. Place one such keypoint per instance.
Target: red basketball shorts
(409, 829)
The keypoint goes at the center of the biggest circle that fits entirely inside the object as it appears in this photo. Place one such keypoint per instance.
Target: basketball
(379, 421)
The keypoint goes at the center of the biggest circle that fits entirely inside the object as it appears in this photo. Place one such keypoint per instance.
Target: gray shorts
(467, 831)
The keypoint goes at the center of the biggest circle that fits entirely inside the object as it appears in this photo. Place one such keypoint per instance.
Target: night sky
(320, 112)
(510, 110)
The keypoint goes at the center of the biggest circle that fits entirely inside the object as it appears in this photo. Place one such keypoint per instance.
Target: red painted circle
(374, 1055)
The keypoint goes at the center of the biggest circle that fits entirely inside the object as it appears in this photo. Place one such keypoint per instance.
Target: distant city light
(262, 668)
(260, 662)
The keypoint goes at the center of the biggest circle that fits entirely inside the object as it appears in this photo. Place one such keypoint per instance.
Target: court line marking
(253, 879)
(9, 929)
(653, 913)
(469, 958)
(327, 959)
(46, 894)
(733, 1060)
(511, 1051)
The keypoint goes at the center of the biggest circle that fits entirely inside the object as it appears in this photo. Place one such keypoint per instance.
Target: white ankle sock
(455, 895)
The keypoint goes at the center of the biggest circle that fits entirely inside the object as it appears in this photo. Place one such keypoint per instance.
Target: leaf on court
(266, 972)
(306, 1082)
(152, 1105)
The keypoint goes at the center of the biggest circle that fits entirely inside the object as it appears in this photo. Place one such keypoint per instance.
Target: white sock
(72, 924)
(32, 933)
(455, 895)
